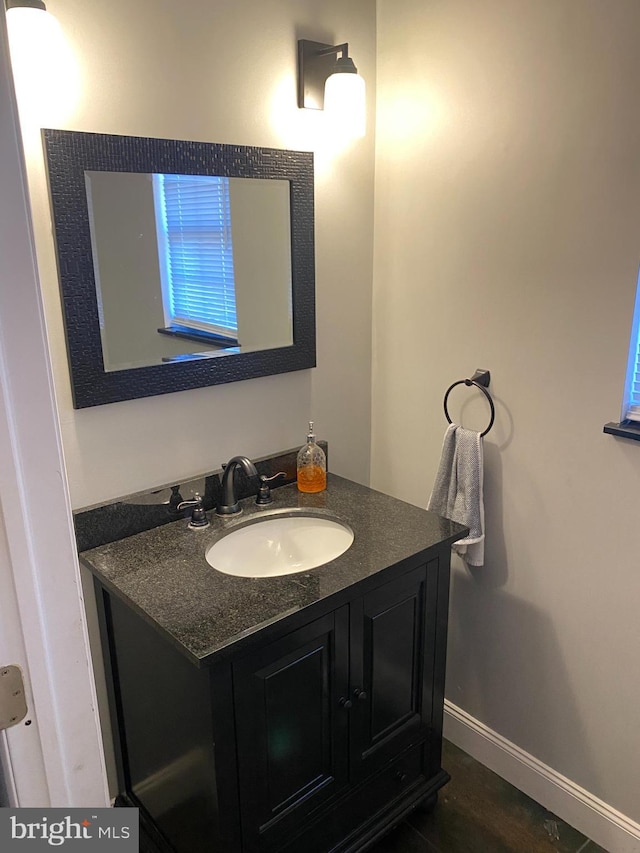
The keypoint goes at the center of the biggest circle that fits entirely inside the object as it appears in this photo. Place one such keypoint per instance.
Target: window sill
(199, 335)
(625, 429)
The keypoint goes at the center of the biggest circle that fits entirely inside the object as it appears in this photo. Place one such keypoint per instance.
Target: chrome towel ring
(480, 380)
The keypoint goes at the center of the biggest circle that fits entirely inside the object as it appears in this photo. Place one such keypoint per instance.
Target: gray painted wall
(507, 211)
(261, 229)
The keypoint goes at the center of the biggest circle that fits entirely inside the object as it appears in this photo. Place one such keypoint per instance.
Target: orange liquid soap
(313, 478)
(312, 465)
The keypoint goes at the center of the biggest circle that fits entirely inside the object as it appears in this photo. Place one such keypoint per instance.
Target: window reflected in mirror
(189, 265)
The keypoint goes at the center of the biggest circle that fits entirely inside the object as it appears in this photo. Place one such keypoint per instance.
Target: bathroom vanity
(301, 712)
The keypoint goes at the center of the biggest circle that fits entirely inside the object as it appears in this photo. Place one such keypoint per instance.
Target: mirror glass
(181, 264)
(189, 266)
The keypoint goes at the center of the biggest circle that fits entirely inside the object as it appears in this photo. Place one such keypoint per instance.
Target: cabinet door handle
(360, 694)
(346, 703)
(400, 776)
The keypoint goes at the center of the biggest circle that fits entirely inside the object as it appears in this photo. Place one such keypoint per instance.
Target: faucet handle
(264, 492)
(198, 516)
(196, 501)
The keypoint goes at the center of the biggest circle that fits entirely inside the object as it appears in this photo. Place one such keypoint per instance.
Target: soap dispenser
(312, 465)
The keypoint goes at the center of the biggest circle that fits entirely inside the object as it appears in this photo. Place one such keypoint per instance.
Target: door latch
(13, 704)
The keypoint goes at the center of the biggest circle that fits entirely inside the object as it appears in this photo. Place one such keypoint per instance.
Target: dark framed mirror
(181, 264)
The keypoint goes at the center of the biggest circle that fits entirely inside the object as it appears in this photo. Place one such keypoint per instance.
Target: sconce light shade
(332, 83)
(45, 73)
(345, 103)
(28, 25)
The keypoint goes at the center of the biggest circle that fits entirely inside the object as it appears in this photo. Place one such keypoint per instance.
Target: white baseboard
(594, 818)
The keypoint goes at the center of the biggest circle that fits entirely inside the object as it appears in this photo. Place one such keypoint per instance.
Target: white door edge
(57, 759)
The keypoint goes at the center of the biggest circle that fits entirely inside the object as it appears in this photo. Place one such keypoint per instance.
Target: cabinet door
(292, 730)
(393, 636)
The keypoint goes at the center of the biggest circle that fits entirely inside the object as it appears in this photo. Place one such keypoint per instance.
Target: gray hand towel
(457, 492)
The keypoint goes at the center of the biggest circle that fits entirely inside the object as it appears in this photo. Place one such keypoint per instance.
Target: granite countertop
(163, 573)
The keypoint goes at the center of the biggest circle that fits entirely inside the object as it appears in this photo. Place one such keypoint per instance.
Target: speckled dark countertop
(164, 575)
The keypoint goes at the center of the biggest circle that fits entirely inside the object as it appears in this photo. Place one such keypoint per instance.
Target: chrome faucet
(230, 505)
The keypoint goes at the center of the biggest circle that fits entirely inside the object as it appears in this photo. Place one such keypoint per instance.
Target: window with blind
(193, 215)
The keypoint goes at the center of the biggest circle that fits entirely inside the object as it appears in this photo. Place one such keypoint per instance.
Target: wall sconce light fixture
(331, 82)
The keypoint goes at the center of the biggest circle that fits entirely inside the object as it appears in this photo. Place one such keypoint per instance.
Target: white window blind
(631, 408)
(195, 240)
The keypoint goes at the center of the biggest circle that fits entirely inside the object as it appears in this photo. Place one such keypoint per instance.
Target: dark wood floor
(478, 812)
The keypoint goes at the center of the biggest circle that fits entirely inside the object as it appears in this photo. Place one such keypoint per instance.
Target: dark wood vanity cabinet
(314, 735)
(292, 728)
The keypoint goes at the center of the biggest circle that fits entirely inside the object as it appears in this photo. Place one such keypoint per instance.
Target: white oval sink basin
(279, 545)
